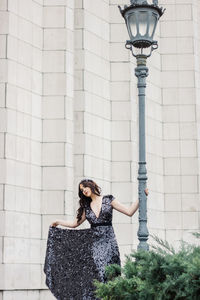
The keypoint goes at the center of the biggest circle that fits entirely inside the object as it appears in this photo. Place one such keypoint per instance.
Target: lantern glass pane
(152, 24)
(132, 23)
(143, 19)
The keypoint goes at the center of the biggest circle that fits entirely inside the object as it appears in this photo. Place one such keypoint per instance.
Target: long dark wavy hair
(85, 201)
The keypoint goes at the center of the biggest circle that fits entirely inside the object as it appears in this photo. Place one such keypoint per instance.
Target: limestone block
(2, 223)
(172, 184)
(35, 276)
(123, 239)
(121, 110)
(189, 184)
(2, 145)
(54, 130)
(37, 59)
(70, 86)
(97, 65)
(3, 70)
(156, 219)
(3, 46)
(69, 18)
(53, 107)
(54, 16)
(4, 22)
(190, 202)
(153, 128)
(22, 199)
(69, 154)
(119, 218)
(173, 202)
(123, 191)
(16, 250)
(54, 84)
(94, 44)
(37, 13)
(23, 149)
(172, 166)
(25, 9)
(190, 220)
(188, 131)
(55, 39)
(93, 165)
(118, 52)
(16, 224)
(99, 8)
(53, 61)
(174, 236)
(120, 71)
(120, 130)
(187, 113)
(35, 180)
(69, 203)
(101, 128)
(189, 166)
(154, 145)
(69, 66)
(35, 201)
(171, 148)
(52, 202)
(2, 94)
(190, 238)
(38, 36)
(121, 171)
(171, 113)
(155, 200)
(35, 153)
(176, 28)
(118, 33)
(188, 148)
(79, 143)
(53, 154)
(35, 226)
(96, 25)
(171, 130)
(47, 295)
(10, 176)
(78, 165)
(173, 220)
(54, 178)
(121, 151)
(10, 198)
(3, 5)
(120, 91)
(1, 197)
(70, 40)
(115, 16)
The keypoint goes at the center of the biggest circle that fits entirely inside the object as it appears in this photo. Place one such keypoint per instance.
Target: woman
(74, 258)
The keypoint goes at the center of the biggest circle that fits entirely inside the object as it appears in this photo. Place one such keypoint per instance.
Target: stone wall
(69, 110)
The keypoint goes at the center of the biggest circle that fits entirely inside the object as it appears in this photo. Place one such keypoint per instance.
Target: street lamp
(141, 20)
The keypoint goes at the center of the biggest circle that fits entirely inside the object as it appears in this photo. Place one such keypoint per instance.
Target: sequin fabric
(75, 257)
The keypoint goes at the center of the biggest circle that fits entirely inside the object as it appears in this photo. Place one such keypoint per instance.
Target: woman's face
(86, 190)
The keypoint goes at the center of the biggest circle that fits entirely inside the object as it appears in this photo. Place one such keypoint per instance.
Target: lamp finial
(139, 2)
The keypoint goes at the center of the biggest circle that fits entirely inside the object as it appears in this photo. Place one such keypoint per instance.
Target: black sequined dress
(74, 258)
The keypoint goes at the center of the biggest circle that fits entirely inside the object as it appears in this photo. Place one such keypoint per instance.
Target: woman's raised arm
(69, 224)
(129, 211)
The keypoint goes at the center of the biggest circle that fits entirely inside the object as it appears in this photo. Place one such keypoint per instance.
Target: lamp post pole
(141, 72)
(141, 20)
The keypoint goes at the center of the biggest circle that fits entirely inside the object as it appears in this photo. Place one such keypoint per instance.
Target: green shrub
(159, 274)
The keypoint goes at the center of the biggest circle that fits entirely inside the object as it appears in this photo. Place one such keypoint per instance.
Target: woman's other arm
(129, 211)
(73, 224)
